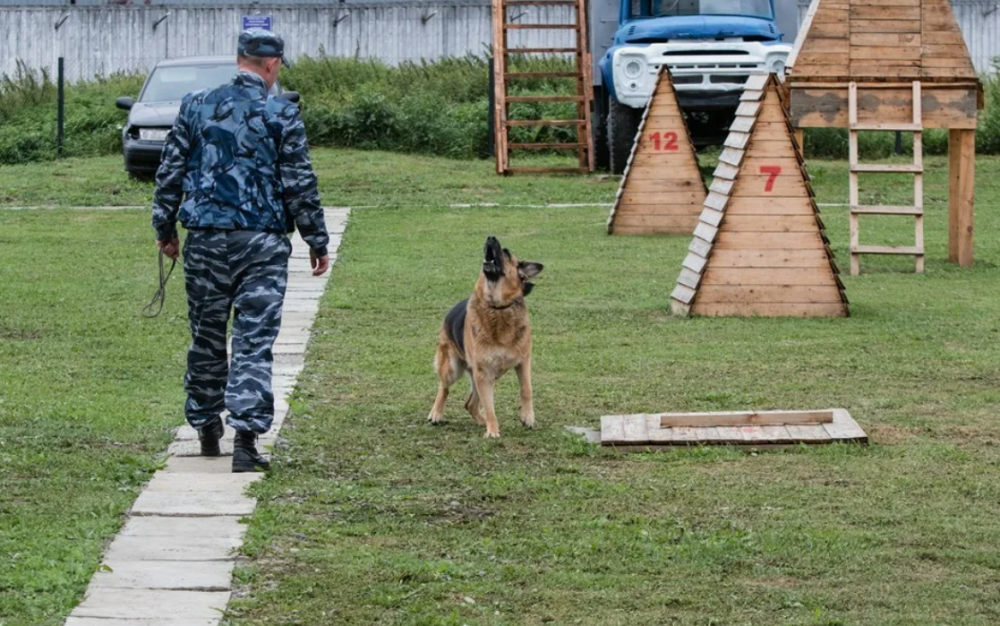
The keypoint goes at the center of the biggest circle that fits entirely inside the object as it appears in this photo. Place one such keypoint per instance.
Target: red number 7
(774, 171)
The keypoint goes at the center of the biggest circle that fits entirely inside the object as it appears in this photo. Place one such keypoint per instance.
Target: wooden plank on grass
(658, 436)
(729, 435)
(744, 418)
(799, 433)
(644, 432)
(844, 428)
(685, 434)
(635, 429)
(612, 429)
(775, 435)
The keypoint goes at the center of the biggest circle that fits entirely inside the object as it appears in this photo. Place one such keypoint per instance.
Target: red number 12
(666, 141)
(773, 171)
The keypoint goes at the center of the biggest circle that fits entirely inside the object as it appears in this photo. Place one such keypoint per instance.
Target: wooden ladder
(584, 144)
(916, 169)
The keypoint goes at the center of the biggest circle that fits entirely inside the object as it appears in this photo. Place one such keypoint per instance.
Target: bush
(439, 108)
(831, 143)
(435, 108)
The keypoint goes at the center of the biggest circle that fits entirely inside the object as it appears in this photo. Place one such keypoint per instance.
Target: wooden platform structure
(757, 429)
(662, 191)
(883, 47)
(503, 77)
(760, 247)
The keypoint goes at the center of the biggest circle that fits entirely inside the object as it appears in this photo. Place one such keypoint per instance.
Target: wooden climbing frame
(883, 48)
(916, 169)
(503, 26)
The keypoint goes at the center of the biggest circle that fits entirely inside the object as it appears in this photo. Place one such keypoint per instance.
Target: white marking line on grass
(474, 205)
(172, 563)
(56, 207)
(493, 205)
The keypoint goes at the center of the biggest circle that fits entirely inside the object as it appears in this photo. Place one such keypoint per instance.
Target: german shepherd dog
(487, 335)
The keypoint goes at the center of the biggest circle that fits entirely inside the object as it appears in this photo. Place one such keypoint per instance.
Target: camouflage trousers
(246, 272)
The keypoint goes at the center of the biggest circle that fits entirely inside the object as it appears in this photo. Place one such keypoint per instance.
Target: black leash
(161, 293)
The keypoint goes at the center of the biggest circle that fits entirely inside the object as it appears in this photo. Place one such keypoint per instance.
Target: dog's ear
(529, 269)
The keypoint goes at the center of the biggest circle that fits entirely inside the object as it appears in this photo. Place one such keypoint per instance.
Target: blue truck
(710, 46)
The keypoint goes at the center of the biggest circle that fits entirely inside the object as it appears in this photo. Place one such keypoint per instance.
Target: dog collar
(503, 308)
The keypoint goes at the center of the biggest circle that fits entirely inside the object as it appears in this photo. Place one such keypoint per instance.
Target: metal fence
(100, 40)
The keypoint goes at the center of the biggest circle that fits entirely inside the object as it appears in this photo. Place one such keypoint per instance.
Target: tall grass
(28, 102)
(24, 89)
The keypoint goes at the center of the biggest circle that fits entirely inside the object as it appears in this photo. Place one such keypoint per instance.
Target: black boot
(209, 436)
(245, 455)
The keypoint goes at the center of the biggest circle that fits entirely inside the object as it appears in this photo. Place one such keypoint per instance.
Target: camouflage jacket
(237, 159)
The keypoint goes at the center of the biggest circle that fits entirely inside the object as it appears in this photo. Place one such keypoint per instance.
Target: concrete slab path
(172, 563)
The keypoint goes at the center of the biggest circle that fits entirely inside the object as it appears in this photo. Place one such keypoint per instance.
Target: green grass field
(89, 394)
(346, 178)
(373, 517)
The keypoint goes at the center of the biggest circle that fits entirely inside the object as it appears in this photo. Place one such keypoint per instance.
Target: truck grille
(715, 66)
(735, 80)
(701, 53)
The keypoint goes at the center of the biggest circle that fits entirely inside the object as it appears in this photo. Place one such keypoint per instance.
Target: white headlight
(778, 67)
(633, 69)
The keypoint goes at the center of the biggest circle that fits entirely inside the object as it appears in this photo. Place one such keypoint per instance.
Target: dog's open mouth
(493, 260)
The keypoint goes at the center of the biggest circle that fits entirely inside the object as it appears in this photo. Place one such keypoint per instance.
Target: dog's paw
(528, 420)
(435, 420)
(492, 435)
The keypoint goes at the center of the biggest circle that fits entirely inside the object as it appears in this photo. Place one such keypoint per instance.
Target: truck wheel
(623, 124)
(602, 158)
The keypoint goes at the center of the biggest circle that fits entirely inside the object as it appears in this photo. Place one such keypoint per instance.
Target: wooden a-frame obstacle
(900, 65)
(760, 248)
(747, 428)
(662, 191)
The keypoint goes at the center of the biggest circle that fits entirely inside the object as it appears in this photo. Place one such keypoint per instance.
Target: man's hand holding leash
(171, 249)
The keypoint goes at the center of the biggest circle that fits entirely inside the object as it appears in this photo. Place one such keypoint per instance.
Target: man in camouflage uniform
(236, 172)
